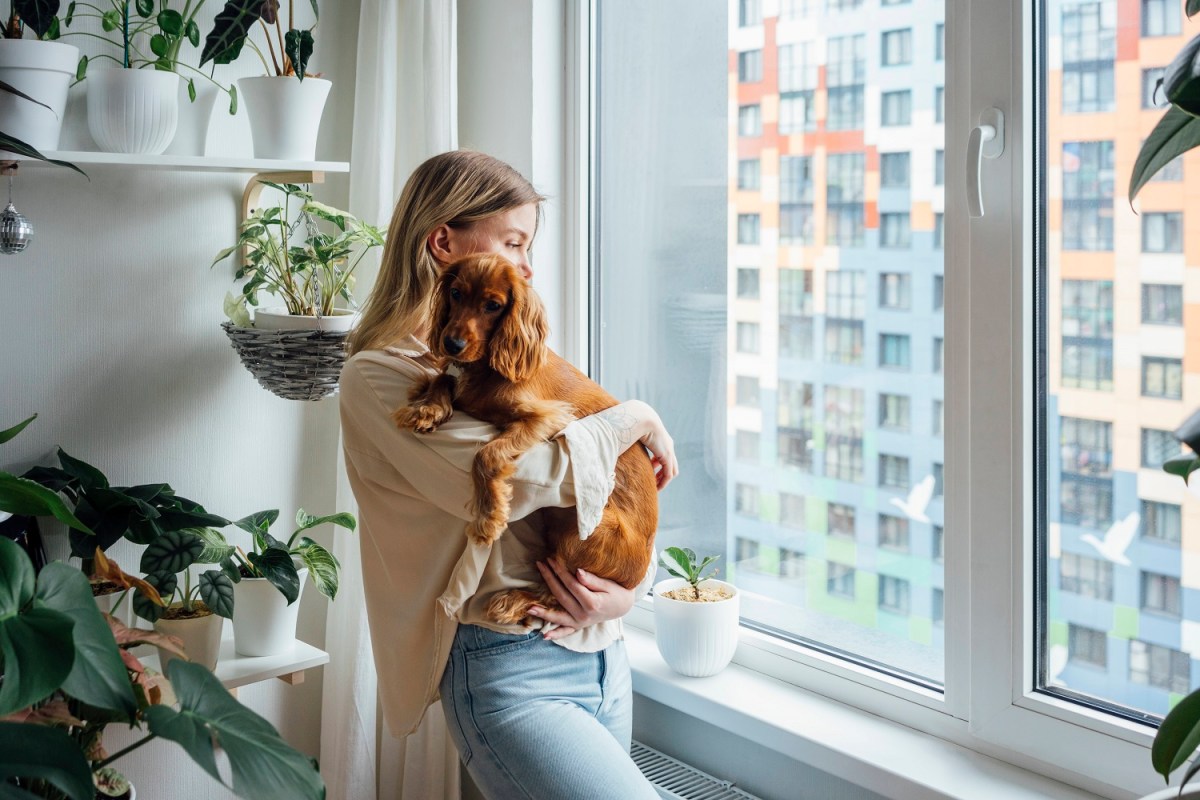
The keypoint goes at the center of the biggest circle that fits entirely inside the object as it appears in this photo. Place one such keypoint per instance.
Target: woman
(542, 713)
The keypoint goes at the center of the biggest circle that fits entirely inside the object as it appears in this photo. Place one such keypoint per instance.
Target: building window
(937, 608)
(791, 563)
(1160, 594)
(939, 477)
(939, 104)
(939, 543)
(1152, 95)
(1160, 667)
(1086, 454)
(747, 232)
(1087, 334)
(1162, 304)
(939, 167)
(747, 283)
(747, 337)
(1087, 646)
(845, 74)
(894, 412)
(791, 510)
(749, 13)
(749, 174)
(795, 9)
(840, 519)
(750, 66)
(842, 5)
(939, 354)
(797, 85)
(750, 120)
(896, 108)
(845, 311)
(893, 471)
(893, 532)
(939, 292)
(745, 500)
(893, 594)
(796, 112)
(844, 422)
(844, 200)
(746, 445)
(1162, 232)
(1162, 377)
(894, 230)
(1157, 447)
(1161, 18)
(939, 418)
(796, 313)
(894, 170)
(747, 391)
(1088, 177)
(894, 351)
(939, 42)
(796, 425)
(839, 580)
(795, 200)
(1086, 576)
(897, 48)
(1162, 522)
(939, 231)
(1089, 48)
(746, 553)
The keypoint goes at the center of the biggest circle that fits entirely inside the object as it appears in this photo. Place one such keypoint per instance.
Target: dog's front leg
(430, 403)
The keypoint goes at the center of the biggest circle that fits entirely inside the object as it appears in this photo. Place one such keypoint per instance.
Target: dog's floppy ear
(440, 311)
(518, 345)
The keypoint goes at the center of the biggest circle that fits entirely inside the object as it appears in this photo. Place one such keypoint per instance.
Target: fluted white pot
(285, 115)
(201, 637)
(277, 318)
(695, 639)
(263, 622)
(132, 110)
(191, 134)
(42, 70)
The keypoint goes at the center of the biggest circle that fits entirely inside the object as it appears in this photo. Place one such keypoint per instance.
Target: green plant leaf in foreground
(1177, 737)
(678, 561)
(216, 590)
(45, 753)
(321, 565)
(1193, 6)
(31, 499)
(14, 145)
(264, 766)
(8, 434)
(1175, 134)
(275, 564)
(173, 551)
(224, 42)
(1182, 465)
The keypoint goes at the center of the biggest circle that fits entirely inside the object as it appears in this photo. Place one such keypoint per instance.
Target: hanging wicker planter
(294, 365)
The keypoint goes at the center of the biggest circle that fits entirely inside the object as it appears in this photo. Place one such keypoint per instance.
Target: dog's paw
(511, 607)
(420, 418)
(484, 532)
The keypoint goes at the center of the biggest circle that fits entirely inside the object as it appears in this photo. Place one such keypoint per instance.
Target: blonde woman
(540, 713)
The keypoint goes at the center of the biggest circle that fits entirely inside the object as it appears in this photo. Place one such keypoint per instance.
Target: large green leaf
(299, 47)
(31, 499)
(17, 579)
(275, 564)
(166, 583)
(321, 565)
(264, 766)
(216, 590)
(98, 677)
(216, 549)
(224, 42)
(1175, 134)
(1182, 465)
(1193, 6)
(37, 14)
(258, 522)
(306, 521)
(87, 475)
(174, 551)
(679, 561)
(42, 752)
(10, 433)
(1178, 736)
(8, 87)
(14, 145)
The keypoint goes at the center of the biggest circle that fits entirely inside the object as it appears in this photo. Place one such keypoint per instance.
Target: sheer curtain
(405, 110)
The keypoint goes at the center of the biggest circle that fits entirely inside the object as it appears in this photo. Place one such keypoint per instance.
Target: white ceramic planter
(201, 638)
(695, 639)
(277, 318)
(42, 70)
(132, 110)
(285, 115)
(263, 623)
(191, 134)
(106, 602)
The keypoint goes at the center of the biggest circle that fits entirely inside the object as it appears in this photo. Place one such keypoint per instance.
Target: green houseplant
(695, 618)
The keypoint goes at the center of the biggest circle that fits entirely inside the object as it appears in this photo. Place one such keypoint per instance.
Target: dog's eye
(492, 306)
(455, 294)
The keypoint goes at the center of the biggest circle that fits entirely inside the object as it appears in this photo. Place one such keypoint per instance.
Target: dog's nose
(454, 346)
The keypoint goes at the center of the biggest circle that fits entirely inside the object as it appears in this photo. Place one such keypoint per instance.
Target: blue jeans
(537, 721)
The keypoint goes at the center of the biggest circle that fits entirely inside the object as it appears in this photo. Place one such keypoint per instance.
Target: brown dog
(490, 323)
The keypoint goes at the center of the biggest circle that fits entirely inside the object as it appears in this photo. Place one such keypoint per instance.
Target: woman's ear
(518, 347)
(441, 244)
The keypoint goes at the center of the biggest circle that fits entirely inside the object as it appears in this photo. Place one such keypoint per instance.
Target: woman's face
(508, 234)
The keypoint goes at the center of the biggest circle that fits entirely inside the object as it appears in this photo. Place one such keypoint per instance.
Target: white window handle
(986, 141)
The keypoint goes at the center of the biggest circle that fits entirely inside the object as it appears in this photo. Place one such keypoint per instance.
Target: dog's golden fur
(510, 378)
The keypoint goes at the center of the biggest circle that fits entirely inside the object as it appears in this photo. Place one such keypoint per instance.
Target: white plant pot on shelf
(277, 318)
(263, 622)
(42, 70)
(132, 110)
(695, 639)
(191, 134)
(285, 115)
(201, 637)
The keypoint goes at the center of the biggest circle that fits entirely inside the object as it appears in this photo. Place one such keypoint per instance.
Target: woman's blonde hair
(456, 188)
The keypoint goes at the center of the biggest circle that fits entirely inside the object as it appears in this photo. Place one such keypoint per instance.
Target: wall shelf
(234, 670)
(186, 163)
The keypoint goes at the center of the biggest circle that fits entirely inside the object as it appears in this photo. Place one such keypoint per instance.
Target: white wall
(110, 330)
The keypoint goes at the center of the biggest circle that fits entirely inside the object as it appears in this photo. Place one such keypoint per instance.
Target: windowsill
(877, 754)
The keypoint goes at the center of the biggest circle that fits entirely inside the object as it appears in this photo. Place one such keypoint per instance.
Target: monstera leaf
(42, 753)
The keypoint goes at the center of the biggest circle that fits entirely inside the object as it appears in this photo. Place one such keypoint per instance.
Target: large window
(1089, 49)
(844, 194)
(1087, 192)
(795, 200)
(1087, 334)
(845, 74)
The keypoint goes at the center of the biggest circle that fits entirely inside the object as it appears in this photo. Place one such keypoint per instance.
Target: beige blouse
(421, 575)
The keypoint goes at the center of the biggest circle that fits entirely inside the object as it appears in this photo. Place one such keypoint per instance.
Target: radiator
(676, 780)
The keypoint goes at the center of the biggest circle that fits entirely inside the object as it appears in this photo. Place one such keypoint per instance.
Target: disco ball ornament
(16, 232)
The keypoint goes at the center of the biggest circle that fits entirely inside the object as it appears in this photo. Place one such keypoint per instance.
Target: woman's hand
(585, 599)
(636, 421)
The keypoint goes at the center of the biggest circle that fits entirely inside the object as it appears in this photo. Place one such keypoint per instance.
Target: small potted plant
(193, 613)
(33, 67)
(695, 618)
(269, 579)
(285, 105)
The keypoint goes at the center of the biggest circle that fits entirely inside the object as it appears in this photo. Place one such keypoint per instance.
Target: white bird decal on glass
(1116, 539)
(917, 501)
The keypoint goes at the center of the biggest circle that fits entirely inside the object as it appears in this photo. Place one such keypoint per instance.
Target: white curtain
(405, 110)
